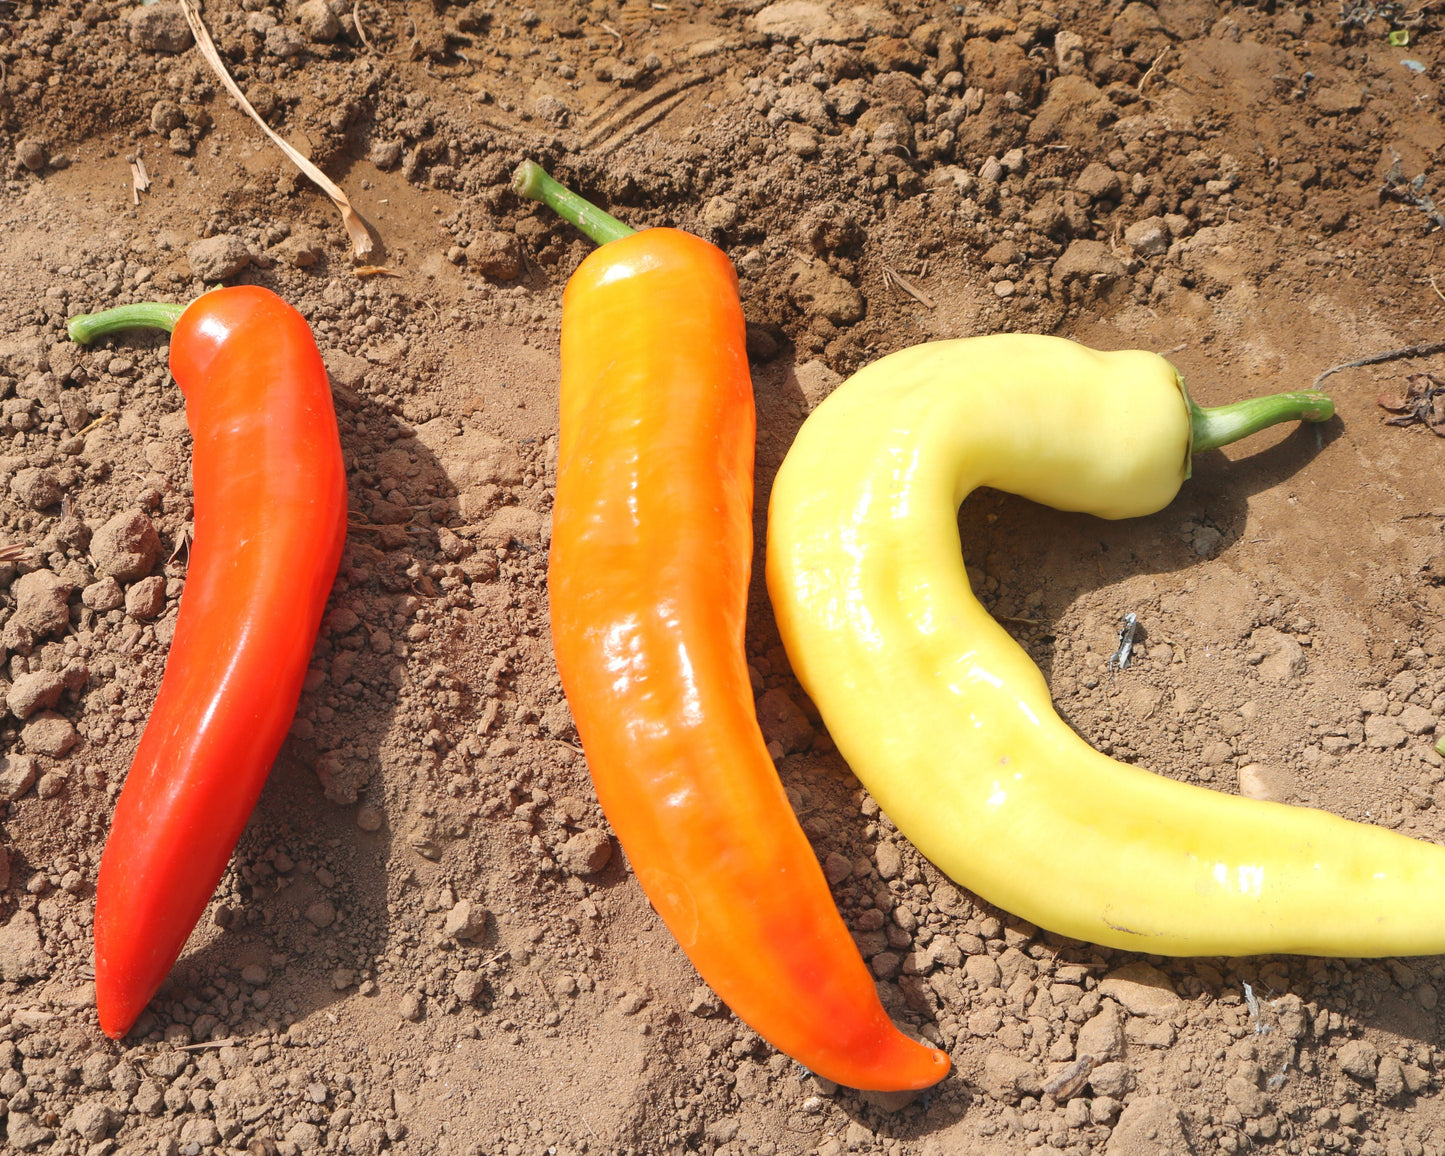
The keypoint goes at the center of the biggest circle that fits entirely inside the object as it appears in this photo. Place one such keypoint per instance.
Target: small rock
(1150, 1126)
(1383, 732)
(1142, 990)
(369, 818)
(38, 690)
(104, 595)
(254, 974)
(17, 774)
(166, 117)
(1114, 1079)
(783, 721)
(24, 1133)
(284, 41)
(146, 599)
(298, 252)
(321, 914)
(386, 154)
(410, 1007)
(126, 547)
(91, 1120)
(41, 603)
(32, 154)
(49, 734)
(1148, 238)
(466, 920)
(889, 860)
(218, 258)
(1009, 1078)
(1390, 1078)
(38, 489)
(1246, 1096)
(585, 853)
(1272, 784)
(837, 868)
(1099, 182)
(1089, 263)
(22, 952)
(495, 254)
(1103, 1035)
(1416, 720)
(468, 986)
(318, 22)
(819, 292)
(158, 28)
(1358, 1058)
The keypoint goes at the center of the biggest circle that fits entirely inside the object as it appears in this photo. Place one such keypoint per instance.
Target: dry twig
(1424, 350)
(361, 242)
(891, 276)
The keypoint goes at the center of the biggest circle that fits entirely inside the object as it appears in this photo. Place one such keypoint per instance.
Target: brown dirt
(1225, 183)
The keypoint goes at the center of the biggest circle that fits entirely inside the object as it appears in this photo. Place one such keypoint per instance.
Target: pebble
(466, 920)
(38, 690)
(50, 734)
(1358, 1058)
(41, 603)
(32, 154)
(410, 1007)
(159, 28)
(1143, 990)
(585, 853)
(495, 254)
(125, 547)
(36, 488)
(1150, 1126)
(321, 914)
(1009, 1078)
(1102, 1036)
(146, 598)
(218, 258)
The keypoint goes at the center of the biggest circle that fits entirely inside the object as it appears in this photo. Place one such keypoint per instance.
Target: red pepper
(648, 581)
(270, 520)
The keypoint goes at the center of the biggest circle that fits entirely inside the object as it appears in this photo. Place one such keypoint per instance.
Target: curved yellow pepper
(950, 725)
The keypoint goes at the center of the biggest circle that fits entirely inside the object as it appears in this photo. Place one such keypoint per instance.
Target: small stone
(158, 28)
(585, 853)
(1150, 1126)
(1383, 733)
(321, 914)
(22, 952)
(254, 974)
(146, 599)
(889, 860)
(285, 42)
(495, 254)
(1099, 182)
(1009, 1078)
(369, 818)
(1271, 784)
(91, 1120)
(126, 547)
(837, 868)
(1358, 1058)
(1143, 990)
(304, 1134)
(468, 986)
(1390, 1078)
(41, 603)
(218, 258)
(386, 154)
(32, 154)
(1004, 288)
(166, 117)
(318, 22)
(1102, 1036)
(24, 1133)
(410, 1007)
(783, 721)
(466, 920)
(1246, 1096)
(38, 690)
(103, 596)
(38, 489)
(1149, 237)
(50, 734)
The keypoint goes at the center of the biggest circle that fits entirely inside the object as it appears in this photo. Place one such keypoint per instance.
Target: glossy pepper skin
(950, 725)
(649, 568)
(270, 520)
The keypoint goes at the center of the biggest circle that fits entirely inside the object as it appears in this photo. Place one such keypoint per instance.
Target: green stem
(1221, 424)
(89, 327)
(531, 181)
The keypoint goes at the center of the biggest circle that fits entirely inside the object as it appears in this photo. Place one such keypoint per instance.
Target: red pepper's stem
(90, 327)
(1221, 424)
(531, 181)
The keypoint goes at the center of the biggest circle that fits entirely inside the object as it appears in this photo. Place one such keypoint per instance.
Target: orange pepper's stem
(531, 181)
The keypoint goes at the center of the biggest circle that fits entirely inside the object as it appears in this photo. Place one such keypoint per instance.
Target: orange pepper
(649, 569)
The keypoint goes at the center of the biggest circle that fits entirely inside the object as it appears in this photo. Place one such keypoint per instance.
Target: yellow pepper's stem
(532, 181)
(1221, 424)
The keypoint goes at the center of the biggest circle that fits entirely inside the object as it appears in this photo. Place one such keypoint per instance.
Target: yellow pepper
(950, 725)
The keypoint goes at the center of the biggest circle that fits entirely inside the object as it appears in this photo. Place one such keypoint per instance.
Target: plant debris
(1422, 404)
